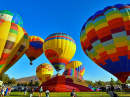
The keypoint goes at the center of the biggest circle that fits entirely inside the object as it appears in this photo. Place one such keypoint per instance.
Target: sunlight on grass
(67, 94)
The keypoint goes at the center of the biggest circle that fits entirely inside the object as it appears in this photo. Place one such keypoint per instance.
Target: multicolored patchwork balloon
(105, 38)
(77, 65)
(44, 72)
(35, 48)
(59, 49)
(73, 73)
(14, 39)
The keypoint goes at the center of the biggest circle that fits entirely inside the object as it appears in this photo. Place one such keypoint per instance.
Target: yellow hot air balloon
(77, 65)
(44, 72)
(14, 39)
(59, 49)
(35, 48)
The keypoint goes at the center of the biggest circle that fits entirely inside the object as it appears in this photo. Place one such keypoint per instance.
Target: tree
(22, 84)
(128, 81)
(18, 84)
(107, 83)
(37, 83)
(25, 84)
(96, 83)
(12, 81)
(88, 82)
(5, 78)
(118, 82)
(112, 82)
(100, 83)
(31, 83)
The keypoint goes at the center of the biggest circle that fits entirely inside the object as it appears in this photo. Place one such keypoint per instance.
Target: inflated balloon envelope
(77, 65)
(59, 48)
(105, 39)
(13, 39)
(44, 72)
(35, 48)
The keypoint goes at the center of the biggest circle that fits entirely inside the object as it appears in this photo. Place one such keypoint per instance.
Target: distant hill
(27, 79)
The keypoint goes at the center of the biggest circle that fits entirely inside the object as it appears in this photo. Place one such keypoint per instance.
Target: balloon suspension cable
(31, 63)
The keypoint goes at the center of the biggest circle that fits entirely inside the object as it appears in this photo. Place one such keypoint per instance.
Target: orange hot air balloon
(35, 48)
(44, 72)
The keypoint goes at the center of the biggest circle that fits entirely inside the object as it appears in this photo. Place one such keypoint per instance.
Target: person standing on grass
(9, 90)
(73, 94)
(40, 92)
(32, 90)
(25, 90)
(2, 92)
(47, 93)
(110, 92)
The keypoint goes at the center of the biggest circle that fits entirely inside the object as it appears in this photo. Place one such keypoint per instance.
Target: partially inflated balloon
(44, 72)
(35, 48)
(59, 49)
(105, 38)
(13, 39)
(73, 73)
(77, 65)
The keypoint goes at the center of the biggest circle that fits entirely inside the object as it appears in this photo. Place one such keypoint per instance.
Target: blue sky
(44, 17)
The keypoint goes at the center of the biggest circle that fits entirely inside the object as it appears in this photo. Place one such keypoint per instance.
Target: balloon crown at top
(11, 17)
(104, 11)
(59, 36)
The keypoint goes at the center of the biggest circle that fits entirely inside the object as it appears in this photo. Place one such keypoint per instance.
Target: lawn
(67, 94)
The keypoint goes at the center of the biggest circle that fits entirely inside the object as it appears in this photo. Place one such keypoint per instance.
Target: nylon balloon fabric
(105, 39)
(11, 17)
(44, 72)
(35, 47)
(14, 42)
(77, 65)
(73, 73)
(59, 48)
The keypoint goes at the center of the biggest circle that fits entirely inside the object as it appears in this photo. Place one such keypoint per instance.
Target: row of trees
(6, 80)
(102, 83)
(31, 83)
(12, 81)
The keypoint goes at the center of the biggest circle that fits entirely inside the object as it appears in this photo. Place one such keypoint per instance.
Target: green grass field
(67, 94)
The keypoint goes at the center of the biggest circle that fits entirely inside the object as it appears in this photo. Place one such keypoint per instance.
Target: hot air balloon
(59, 48)
(44, 72)
(35, 48)
(105, 39)
(77, 65)
(73, 73)
(14, 39)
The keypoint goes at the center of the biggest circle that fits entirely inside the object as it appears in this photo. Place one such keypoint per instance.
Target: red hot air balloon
(105, 39)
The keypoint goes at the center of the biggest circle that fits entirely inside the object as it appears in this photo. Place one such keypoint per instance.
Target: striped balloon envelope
(105, 39)
(59, 48)
(77, 65)
(14, 39)
(35, 48)
(73, 73)
(44, 72)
